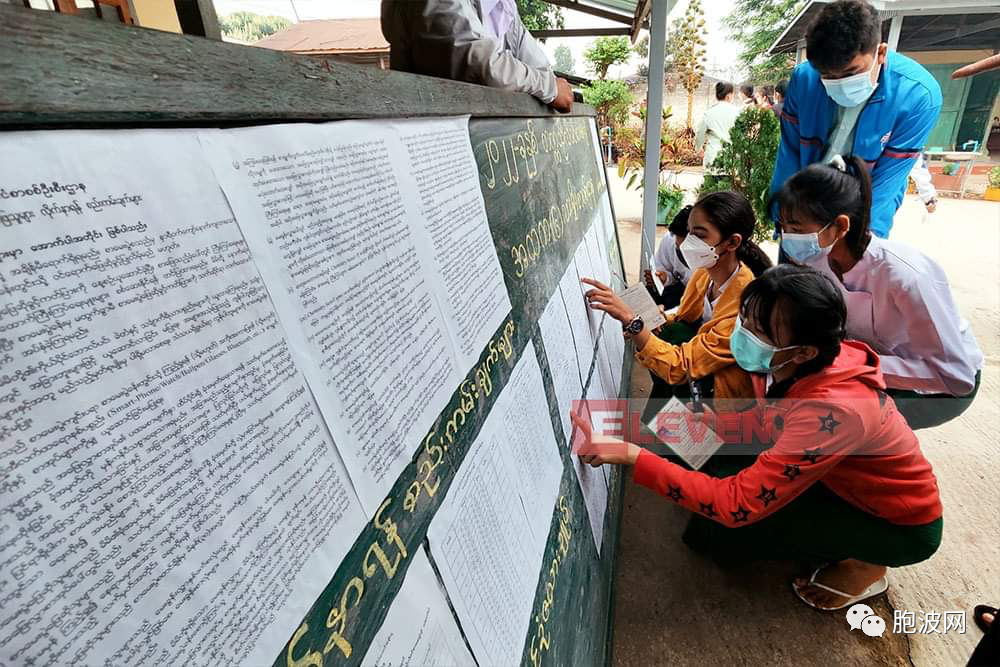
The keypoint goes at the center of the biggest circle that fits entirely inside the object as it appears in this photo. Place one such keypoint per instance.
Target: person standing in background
(764, 96)
(746, 94)
(716, 123)
(921, 176)
(780, 91)
(855, 97)
(478, 41)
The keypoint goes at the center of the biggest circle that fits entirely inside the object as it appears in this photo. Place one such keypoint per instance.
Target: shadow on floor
(674, 607)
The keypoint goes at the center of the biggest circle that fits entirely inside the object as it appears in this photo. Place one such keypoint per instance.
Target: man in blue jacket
(854, 96)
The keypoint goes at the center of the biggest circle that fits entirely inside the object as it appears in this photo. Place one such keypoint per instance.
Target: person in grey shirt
(479, 41)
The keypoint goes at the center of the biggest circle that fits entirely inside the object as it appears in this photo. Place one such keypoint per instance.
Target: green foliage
(669, 200)
(539, 15)
(605, 52)
(250, 27)
(641, 49)
(994, 177)
(611, 99)
(949, 168)
(747, 162)
(687, 51)
(564, 59)
(756, 24)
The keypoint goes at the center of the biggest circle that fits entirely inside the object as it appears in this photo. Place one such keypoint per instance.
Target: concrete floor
(674, 607)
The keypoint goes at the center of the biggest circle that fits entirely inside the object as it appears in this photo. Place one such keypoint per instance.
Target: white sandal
(877, 588)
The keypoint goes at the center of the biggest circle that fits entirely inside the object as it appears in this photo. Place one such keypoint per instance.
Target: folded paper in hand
(637, 298)
(688, 434)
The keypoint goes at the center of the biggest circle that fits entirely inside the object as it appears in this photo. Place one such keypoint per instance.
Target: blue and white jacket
(890, 134)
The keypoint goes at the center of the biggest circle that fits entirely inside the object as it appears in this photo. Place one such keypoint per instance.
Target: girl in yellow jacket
(723, 260)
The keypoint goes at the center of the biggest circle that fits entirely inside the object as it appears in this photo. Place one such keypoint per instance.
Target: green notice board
(544, 186)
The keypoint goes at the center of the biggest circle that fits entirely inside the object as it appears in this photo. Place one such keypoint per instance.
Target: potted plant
(993, 189)
(949, 178)
(669, 200)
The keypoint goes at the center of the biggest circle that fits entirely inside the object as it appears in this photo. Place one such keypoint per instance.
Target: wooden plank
(58, 70)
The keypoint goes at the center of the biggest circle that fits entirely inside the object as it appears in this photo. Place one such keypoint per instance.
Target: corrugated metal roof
(329, 36)
(940, 10)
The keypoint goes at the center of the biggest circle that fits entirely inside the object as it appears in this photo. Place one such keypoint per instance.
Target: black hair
(767, 92)
(782, 88)
(731, 213)
(746, 89)
(822, 192)
(722, 89)
(811, 308)
(842, 30)
(679, 225)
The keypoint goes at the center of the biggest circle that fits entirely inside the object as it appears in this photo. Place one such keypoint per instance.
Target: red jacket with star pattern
(838, 427)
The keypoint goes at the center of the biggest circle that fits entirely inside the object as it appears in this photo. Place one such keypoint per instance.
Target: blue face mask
(803, 247)
(752, 354)
(852, 90)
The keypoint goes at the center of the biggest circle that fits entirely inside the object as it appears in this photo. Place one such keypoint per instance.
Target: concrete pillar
(894, 29)
(654, 125)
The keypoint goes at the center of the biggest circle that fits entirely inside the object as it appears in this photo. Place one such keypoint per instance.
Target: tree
(249, 27)
(564, 59)
(756, 24)
(642, 50)
(605, 52)
(747, 161)
(539, 15)
(687, 51)
(611, 99)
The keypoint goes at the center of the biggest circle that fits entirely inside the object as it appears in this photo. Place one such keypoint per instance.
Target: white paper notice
(557, 337)
(579, 318)
(358, 244)
(454, 230)
(687, 433)
(170, 491)
(657, 283)
(488, 537)
(419, 630)
(598, 256)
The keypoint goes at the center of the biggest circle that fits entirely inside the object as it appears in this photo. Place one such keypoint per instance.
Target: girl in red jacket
(844, 482)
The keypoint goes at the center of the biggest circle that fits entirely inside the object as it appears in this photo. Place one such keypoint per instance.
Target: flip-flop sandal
(977, 616)
(877, 588)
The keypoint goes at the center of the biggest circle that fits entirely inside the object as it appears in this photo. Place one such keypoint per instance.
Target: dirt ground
(674, 607)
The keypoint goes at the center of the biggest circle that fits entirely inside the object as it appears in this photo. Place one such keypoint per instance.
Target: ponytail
(732, 214)
(824, 191)
(754, 257)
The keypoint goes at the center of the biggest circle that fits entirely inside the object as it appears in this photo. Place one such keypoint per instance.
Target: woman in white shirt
(898, 299)
(670, 265)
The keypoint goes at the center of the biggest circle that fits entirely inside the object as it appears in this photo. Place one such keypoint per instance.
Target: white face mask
(698, 254)
(852, 90)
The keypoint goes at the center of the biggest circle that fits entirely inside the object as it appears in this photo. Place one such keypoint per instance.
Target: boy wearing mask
(855, 97)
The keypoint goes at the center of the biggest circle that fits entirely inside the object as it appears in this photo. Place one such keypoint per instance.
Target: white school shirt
(708, 308)
(713, 130)
(455, 39)
(841, 139)
(668, 261)
(899, 302)
(921, 176)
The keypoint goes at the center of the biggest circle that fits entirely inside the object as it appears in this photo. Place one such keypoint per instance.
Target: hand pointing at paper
(604, 298)
(600, 450)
